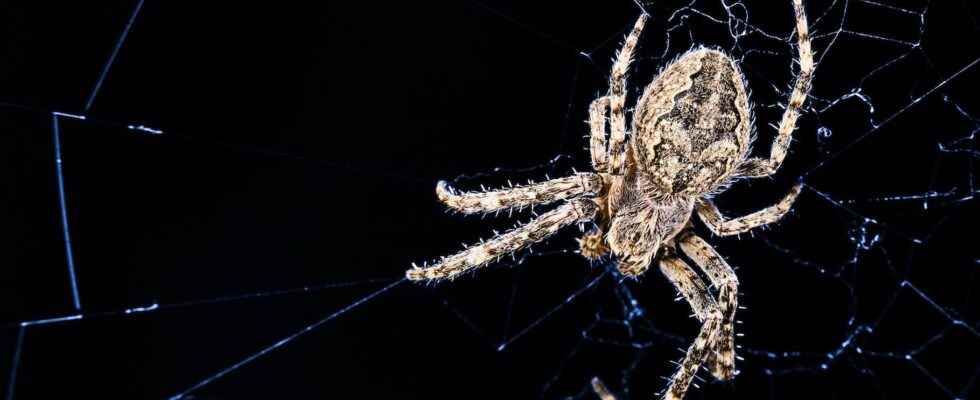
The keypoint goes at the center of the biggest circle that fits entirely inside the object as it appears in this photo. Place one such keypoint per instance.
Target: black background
(301, 148)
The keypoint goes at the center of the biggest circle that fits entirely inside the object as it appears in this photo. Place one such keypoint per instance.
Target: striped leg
(721, 226)
(757, 167)
(722, 359)
(597, 137)
(600, 390)
(693, 289)
(617, 98)
(484, 253)
(519, 196)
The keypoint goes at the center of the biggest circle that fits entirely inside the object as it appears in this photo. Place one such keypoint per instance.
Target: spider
(690, 138)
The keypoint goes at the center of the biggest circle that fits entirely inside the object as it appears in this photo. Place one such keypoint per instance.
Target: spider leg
(617, 98)
(722, 276)
(759, 167)
(600, 389)
(597, 138)
(511, 241)
(519, 196)
(721, 226)
(692, 288)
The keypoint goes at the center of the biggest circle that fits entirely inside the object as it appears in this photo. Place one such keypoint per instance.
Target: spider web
(865, 289)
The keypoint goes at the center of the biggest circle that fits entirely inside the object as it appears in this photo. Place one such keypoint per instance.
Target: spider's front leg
(759, 167)
(610, 158)
(617, 98)
(547, 224)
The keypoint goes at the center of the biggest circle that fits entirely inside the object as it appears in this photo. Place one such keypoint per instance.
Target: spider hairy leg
(600, 390)
(722, 276)
(617, 98)
(597, 138)
(758, 167)
(689, 284)
(693, 289)
(721, 226)
(583, 183)
(482, 254)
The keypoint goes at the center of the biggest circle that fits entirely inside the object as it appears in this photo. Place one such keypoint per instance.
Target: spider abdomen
(691, 126)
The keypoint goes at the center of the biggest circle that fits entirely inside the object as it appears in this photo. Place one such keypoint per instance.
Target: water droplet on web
(824, 137)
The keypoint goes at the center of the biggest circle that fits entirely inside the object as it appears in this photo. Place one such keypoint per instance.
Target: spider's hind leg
(722, 276)
(484, 253)
(600, 390)
(692, 288)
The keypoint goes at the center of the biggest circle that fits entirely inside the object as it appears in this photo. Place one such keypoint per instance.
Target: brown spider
(691, 136)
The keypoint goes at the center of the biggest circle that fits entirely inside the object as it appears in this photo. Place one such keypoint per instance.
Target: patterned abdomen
(692, 125)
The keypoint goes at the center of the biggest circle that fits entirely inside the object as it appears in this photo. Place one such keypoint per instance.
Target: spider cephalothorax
(691, 135)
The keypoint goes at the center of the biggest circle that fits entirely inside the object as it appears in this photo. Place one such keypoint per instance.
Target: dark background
(296, 171)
